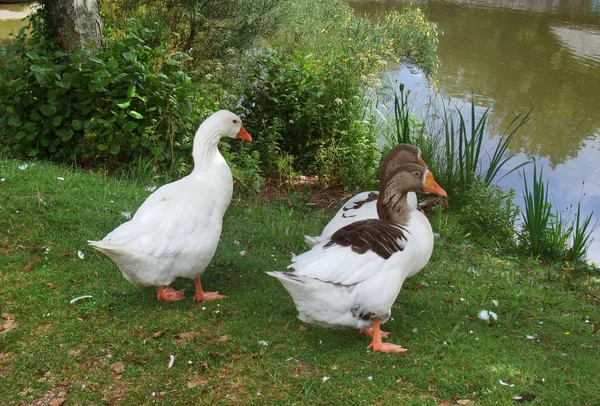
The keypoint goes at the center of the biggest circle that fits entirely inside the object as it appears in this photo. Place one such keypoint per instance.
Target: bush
(310, 98)
(127, 102)
(311, 111)
(490, 212)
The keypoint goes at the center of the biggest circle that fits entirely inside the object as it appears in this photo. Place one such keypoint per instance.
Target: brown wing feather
(370, 235)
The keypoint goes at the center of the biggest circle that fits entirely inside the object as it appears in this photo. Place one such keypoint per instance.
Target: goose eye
(235, 122)
(417, 174)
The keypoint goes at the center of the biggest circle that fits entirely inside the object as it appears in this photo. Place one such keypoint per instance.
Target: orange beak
(243, 135)
(431, 186)
(421, 162)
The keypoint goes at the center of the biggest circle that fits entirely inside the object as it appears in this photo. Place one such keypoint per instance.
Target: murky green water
(517, 54)
(546, 57)
(11, 18)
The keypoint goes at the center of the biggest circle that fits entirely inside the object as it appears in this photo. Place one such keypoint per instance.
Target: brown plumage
(373, 234)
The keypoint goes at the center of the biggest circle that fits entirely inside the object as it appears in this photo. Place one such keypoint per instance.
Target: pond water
(11, 18)
(513, 55)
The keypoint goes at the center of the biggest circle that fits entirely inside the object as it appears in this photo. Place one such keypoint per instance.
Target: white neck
(206, 148)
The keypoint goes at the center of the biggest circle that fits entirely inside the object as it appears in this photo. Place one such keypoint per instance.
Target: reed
(582, 235)
(536, 212)
(463, 149)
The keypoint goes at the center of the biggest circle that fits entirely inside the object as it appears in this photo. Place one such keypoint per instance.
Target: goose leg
(377, 345)
(369, 332)
(169, 294)
(205, 296)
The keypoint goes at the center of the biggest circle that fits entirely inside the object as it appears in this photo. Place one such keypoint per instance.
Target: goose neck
(393, 207)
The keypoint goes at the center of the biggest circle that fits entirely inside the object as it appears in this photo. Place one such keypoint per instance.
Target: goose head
(224, 124)
(391, 205)
(400, 154)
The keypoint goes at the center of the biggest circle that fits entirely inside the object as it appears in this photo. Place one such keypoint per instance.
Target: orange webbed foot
(169, 294)
(379, 346)
(207, 296)
(387, 347)
(202, 296)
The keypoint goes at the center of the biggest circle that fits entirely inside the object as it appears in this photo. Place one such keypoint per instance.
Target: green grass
(73, 348)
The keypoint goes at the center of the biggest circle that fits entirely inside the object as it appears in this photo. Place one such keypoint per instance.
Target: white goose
(175, 232)
(353, 278)
(364, 205)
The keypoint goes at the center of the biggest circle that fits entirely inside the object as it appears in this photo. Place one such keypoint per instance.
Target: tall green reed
(582, 235)
(453, 143)
(463, 148)
(536, 212)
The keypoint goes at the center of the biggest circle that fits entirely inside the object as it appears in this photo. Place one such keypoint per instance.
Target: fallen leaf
(51, 286)
(118, 368)
(224, 338)
(74, 353)
(464, 401)
(159, 333)
(198, 381)
(27, 267)
(8, 323)
(188, 335)
(57, 402)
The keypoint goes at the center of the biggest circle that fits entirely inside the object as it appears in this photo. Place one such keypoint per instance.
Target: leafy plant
(129, 102)
(306, 112)
(490, 212)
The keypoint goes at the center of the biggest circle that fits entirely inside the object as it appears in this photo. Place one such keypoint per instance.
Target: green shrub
(490, 212)
(126, 102)
(207, 29)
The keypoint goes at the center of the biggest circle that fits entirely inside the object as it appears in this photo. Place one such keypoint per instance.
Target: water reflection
(517, 54)
(11, 18)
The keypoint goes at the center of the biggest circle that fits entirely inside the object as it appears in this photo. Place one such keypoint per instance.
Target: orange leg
(377, 345)
(370, 332)
(205, 296)
(169, 294)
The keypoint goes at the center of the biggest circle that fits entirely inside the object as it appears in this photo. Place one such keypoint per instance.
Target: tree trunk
(76, 24)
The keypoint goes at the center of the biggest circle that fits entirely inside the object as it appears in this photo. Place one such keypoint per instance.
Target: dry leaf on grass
(118, 368)
(57, 401)
(8, 323)
(159, 333)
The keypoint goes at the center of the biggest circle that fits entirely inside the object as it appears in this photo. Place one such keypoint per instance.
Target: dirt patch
(309, 187)
(5, 363)
(8, 323)
(53, 397)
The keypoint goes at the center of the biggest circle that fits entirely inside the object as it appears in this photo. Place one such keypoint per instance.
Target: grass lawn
(115, 347)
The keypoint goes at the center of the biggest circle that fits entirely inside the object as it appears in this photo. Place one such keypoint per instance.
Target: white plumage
(353, 278)
(175, 232)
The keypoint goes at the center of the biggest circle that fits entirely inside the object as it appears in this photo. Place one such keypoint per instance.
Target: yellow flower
(567, 333)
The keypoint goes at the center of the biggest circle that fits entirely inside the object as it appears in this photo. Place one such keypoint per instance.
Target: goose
(353, 278)
(175, 232)
(364, 205)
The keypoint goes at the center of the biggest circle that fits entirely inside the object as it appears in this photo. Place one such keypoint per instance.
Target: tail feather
(311, 241)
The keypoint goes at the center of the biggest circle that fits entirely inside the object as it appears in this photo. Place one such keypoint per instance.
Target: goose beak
(431, 186)
(243, 135)
(421, 162)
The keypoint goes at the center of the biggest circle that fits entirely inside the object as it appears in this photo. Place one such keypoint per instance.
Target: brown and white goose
(364, 205)
(175, 232)
(353, 278)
